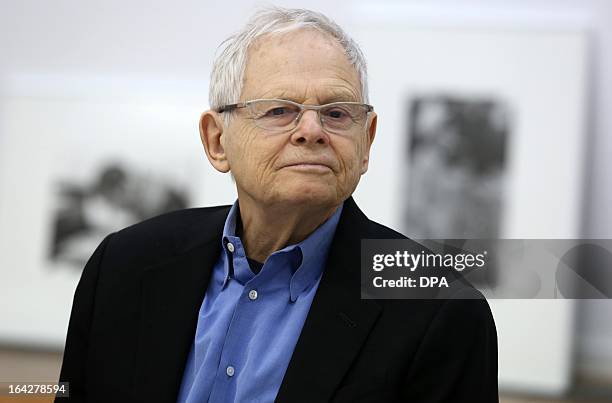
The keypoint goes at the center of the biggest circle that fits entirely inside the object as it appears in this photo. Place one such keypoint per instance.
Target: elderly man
(260, 301)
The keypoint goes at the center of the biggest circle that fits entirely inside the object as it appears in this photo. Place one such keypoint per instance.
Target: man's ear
(211, 134)
(370, 133)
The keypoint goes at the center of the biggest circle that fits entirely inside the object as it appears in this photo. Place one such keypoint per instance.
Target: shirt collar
(307, 258)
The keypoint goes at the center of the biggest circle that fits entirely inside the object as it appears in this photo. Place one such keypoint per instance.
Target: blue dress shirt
(249, 323)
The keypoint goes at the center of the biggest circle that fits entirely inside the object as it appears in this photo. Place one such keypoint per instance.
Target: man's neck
(271, 228)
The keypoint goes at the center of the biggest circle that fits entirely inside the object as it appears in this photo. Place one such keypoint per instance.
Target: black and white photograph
(456, 166)
(115, 196)
(146, 161)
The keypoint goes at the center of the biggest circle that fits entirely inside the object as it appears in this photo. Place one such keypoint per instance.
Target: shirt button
(229, 371)
(253, 295)
(230, 247)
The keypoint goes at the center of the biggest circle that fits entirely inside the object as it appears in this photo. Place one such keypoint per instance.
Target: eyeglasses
(281, 115)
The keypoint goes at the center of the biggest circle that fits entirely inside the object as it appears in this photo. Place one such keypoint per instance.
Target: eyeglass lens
(276, 115)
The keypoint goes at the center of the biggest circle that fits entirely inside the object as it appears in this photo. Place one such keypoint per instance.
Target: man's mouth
(309, 167)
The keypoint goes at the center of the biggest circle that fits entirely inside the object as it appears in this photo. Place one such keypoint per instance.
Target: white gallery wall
(159, 52)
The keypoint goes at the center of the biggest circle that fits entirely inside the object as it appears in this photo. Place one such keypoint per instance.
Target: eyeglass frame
(302, 107)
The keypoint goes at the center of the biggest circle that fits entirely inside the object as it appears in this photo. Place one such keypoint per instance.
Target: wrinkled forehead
(298, 65)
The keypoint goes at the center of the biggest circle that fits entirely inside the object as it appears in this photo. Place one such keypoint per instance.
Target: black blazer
(136, 307)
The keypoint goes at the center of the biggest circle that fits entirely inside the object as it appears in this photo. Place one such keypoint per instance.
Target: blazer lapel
(338, 322)
(172, 293)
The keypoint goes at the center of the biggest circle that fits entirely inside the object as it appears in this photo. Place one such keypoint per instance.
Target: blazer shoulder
(380, 231)
(166, 235)
(355, 225)
(174, 220)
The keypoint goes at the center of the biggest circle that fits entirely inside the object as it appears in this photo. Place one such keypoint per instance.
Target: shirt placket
(232, 359)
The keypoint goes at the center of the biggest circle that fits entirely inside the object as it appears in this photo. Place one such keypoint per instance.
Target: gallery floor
(39, 366)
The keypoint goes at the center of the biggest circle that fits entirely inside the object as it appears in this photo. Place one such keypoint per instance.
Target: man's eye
(280, 111)
(337, 114)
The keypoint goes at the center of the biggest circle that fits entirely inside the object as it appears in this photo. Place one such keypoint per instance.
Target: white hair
(227, 77)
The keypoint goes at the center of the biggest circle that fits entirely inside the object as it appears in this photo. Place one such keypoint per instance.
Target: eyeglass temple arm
(230, 107)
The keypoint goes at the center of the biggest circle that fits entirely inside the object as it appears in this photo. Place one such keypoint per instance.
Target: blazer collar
(339, 321)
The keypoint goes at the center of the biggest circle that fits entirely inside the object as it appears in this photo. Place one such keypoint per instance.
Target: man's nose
(309, 130)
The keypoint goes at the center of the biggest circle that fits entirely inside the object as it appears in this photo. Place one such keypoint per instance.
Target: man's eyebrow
(339, 96)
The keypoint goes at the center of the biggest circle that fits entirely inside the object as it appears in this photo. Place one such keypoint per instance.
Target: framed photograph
(79, 160)
(481, 134)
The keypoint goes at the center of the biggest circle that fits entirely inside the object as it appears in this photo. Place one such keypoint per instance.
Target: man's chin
(308, 196)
